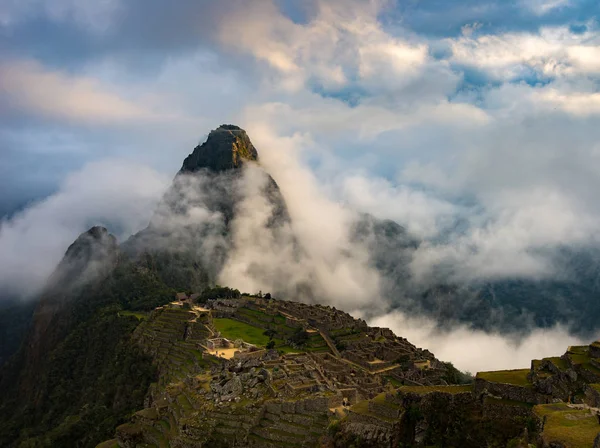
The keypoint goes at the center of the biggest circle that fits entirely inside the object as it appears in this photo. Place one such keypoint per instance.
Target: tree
(270, 345)
(219, 292)
(300, 337)
(270, 333)
(455, 376)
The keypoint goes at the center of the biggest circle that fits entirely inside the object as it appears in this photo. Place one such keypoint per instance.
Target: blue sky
(426, 112)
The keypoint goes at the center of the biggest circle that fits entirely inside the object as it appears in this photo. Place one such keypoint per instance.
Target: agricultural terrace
(514, 377)
(575, 428)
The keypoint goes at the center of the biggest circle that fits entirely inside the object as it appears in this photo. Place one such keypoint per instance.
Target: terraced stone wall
(525, 394)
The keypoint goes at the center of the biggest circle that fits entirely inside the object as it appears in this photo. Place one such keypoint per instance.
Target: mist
(117, 194)
(312, 255)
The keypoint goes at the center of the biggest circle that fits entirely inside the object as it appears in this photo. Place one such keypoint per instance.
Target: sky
(474, 124)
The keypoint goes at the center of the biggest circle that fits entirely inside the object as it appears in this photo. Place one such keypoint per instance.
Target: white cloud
(316, 249)
(476, 351)
(342, 42)
(118, 194)
(542, 7)
(553, 51)
(515, 167)
(50, 94)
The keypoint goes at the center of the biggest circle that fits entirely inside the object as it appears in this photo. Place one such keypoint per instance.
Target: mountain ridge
(78, 375)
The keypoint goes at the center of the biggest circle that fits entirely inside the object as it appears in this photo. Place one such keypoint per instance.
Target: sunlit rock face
(227, 147)
(200, 212)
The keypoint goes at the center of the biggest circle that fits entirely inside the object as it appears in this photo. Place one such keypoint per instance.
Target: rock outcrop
(227, 147)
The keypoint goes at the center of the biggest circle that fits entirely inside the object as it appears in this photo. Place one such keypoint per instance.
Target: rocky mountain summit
(226, 147)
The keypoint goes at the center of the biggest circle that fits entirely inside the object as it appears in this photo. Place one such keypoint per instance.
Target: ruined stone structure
(342, 375)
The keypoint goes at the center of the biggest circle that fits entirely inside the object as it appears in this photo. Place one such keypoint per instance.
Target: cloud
(476, 351)
(475, 128)
(91, 15)
(343, 42)
(114, 193)
(554, 51)
(314, 251)
(541, 7)
(30, 89)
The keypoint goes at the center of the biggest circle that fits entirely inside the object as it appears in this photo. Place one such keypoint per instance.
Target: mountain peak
(89, 243)
(226, 147)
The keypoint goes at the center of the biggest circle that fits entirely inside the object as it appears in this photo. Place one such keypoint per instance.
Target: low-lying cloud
(118, 194)
(313, 257)
(475, 351)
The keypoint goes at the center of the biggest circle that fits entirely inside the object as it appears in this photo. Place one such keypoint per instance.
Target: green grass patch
(380, 399)
(362, 407)
(574, 428)
(286, 349)
(184, 402)
(559, 362)
(591, 368)
(393, 381)
(579, 349)
(234, 329)
(165, 425)
(577, 358)
(109, 444)
(422, 390)
(515, 377)
(137, 314)
(279, 319)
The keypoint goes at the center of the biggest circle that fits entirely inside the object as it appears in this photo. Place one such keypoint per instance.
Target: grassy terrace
(138, 315)
(575, 428)
(578, 349)
(422, 390)
(234, 329)
(515, 377)
(579, 355)
(109, 444)
(577, 358)
(559, 362)
(362, 408)
(380, 399)
(393, 381)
